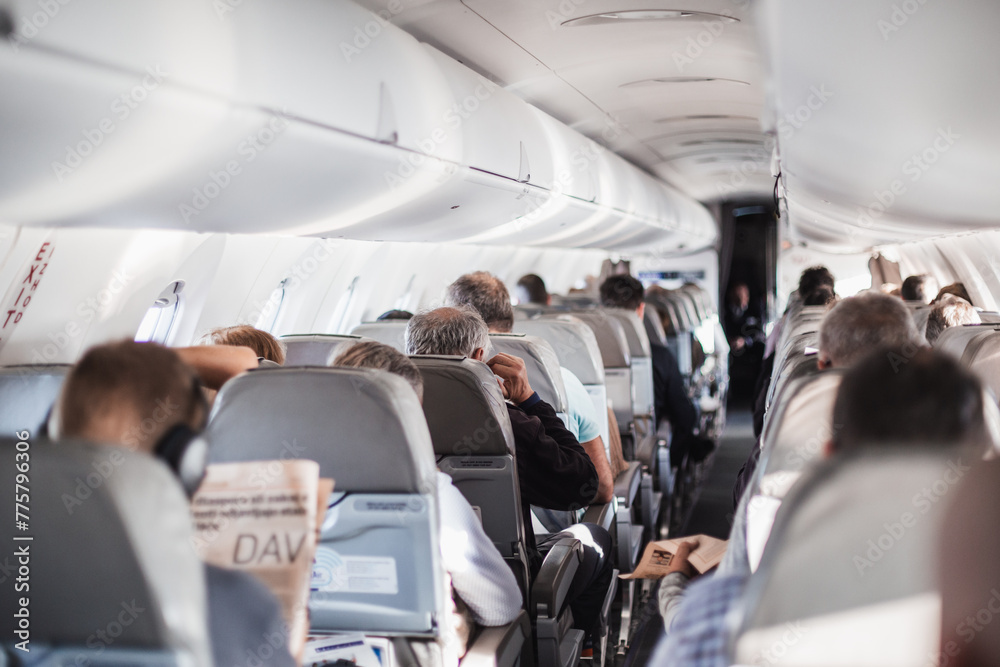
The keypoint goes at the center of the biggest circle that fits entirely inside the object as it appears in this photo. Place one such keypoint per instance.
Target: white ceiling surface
(702, 137)
(899, 76)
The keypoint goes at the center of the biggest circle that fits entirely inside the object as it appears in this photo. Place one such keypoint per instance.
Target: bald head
(487, 295)
(859, 324)
(449, 330)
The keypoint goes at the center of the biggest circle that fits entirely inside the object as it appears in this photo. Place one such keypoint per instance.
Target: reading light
(647, 15)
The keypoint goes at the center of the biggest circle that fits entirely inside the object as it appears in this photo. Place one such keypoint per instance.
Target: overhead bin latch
(524, 174)
(388, 130)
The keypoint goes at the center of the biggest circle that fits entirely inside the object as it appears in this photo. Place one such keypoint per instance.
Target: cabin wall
(68, 289)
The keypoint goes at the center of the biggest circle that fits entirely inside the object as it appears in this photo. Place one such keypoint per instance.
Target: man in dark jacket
(671, 401)
(553, 469)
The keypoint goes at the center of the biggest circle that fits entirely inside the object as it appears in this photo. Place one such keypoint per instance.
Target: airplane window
(268, 317)
(159, 319)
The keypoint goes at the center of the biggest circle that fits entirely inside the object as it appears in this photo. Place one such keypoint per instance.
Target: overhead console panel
(304, 117)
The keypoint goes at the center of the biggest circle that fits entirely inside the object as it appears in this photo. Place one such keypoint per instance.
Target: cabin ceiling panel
(889, 110)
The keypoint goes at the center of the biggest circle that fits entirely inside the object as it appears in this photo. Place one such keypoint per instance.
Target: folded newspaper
(655, 561)
(263, 517)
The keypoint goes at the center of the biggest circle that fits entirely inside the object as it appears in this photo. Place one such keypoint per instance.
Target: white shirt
(478, 572)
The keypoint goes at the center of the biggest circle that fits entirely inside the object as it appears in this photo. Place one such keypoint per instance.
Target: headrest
(465, 409)
(111, 542)
(982, 356)
(610, 335)
(853, 553)
(635, 332)
(574, 343)
(390, 332)
(315, 349)
(27, 393)
(798, 431)
(542, 364)
(654, 327)
(364, 427)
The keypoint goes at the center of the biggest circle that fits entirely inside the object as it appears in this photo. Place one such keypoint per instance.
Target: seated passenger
(531, 289)
(478, 573)
(391, 315)
(849, 330)
(821, 296)
(969, 572)
(487, 295)
(954, 289)
(919, 288)
(264, 344)
(670, 396)
(947, 313)
(896, 396)
(858, 324)
(553, 469)
(143, 396)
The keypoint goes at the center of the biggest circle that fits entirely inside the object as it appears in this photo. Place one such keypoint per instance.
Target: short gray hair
(859, 324)
(371, 354)
(456, 330)
(487, 295)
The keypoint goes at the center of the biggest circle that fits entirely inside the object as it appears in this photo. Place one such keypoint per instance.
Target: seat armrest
(551, 586)
(602, 515)
(627, 483)
(499, 646)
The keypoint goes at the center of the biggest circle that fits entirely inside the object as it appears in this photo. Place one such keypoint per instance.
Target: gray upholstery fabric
(635, 331)
(798, 430)
(542, 365)
(610, 336)
(977, 346)
(574, 343)
(390, 332)
(654, 327)
(111, 543)
(840, 545)
(315, 349)
(365, 428)
(464, 407)
(26, 395)
(472, 435)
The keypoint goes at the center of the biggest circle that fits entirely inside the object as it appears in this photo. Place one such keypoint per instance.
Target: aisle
(713, 508)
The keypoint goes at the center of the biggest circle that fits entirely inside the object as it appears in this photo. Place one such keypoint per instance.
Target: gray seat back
(390, 332)
(315, 349)
(642, 362)
(577, 349)
(110, 551)
(542, 364)
(977, 346)
(654, 327)
(366, 430)
(472, 436)
(27, 393)
(613, 344)
(852, 555)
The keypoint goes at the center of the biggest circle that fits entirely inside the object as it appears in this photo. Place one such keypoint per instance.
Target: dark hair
(821, 296)
(394, 315)
(487, 295)
(907, 395)
(915, 288)
(533, 289)
(262, 343)
(813, 277)
(371, 354)
(145, 381)
(621, 291)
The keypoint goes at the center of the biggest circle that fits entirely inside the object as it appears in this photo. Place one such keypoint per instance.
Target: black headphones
(184, 449)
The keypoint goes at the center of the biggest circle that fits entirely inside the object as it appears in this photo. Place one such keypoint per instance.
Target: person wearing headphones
(144, 397)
